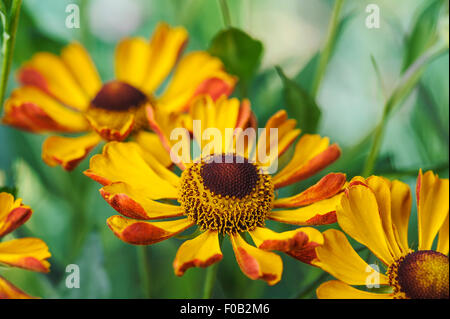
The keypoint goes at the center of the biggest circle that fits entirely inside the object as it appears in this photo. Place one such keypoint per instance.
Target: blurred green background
(364, 68)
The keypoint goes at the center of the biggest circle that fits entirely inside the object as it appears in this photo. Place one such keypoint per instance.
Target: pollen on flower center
(421, 275)
(226, 193)
(118, 96)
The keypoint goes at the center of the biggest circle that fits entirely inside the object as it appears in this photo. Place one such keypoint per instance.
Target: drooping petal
(166, 45)
(256, 263)
(111, 125)
(381, 189)
(337, 257)
(202, 251)
(319, 213)
(26, 253)
(12, 213)
(138, 232)
(299, 243)
(68, 151)
(49, 73)
(442, 245)
(335, 289)
(358, 215)
(151, 143)
(327, 187)
(124, 162)
(134, 203)
(189, 81)
(312, 154)
(432, 206)
(400, 211)
(9, 291)
(32, 110)
(78, 61)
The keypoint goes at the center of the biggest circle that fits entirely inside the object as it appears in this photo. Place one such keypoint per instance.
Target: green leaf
(424, 33)
(300, 104)
(240, 53)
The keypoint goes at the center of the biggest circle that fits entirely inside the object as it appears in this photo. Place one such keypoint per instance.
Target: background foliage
(346, 82)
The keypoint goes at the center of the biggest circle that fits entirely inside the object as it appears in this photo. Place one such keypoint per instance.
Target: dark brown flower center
(118, 96)
(424, 275)
(229, 175)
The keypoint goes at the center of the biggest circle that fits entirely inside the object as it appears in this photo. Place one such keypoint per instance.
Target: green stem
(329, 44)
(8, 46)
(225, 13)
(144, 271)
(211, 275)
(305, 292)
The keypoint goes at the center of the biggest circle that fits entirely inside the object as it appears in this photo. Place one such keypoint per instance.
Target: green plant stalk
(225, 13)
(8, 46)
(407, 83)
(211, 276)
(329, 45)
(312, 286)
(144, 271)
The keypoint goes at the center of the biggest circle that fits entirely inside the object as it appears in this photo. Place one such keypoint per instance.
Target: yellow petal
(319, 213)
(124, 162)
(166, 45)
(139, 232)
(432, 206)
(401, 210)
(12, 213)
(442, 246)
(202, 251)
(30, 109)
(134, 203)
(335, 289)
(27, 253)
(358, 215)
(68, 151)
(151, 143)
(78, 61)
(337, 257)
(194, 69)
(48, 72)
(111, 125)
(257, 263)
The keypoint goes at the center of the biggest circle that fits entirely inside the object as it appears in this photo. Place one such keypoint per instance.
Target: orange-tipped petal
(9, 291)
(12, 213)
(133, 203)
(327, 187)
(68, 151)
(256, 263)
(111, 125)
(202, 251)
(144, 233)
(26, 253)
(299, 243)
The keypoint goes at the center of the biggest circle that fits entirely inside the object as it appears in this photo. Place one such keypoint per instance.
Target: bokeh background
(365, 67)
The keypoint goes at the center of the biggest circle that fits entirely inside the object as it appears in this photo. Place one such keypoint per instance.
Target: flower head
(65, 93)
(26, 253)
(223, 192)
(375, 212)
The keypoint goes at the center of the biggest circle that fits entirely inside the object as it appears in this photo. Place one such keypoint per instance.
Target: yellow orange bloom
(65, 93)
(26, 253)
(221, 199)
(375, 212)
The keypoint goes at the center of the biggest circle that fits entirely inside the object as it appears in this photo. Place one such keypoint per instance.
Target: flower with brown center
(223, 193)
(375, 212)
(65, 93)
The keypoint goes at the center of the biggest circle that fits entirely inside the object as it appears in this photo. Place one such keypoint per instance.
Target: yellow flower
(222, 199)
(65, 93)
(375, 212)
(26, 253)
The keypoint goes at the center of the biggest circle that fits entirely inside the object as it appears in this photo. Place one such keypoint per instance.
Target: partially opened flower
(65, 93)
(26, 253)
(223, 194)
(375, 212)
